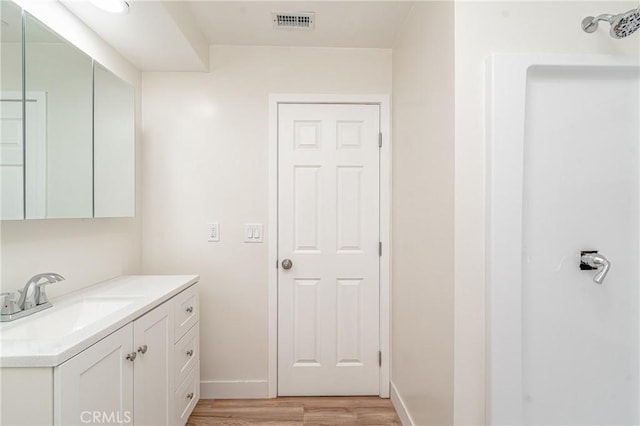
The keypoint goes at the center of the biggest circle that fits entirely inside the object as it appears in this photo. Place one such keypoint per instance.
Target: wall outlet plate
(213, 232)
(253, 232)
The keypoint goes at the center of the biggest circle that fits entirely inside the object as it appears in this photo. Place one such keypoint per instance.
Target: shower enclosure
(563, 205)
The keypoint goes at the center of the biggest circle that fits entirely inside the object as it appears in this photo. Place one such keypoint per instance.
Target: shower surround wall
(563, 178)
(581, 192)
(483, 28)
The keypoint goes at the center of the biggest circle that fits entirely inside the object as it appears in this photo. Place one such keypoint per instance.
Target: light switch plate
(253, 232)
(213, 235)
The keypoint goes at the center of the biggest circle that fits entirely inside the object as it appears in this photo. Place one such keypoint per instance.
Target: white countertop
(80, 319)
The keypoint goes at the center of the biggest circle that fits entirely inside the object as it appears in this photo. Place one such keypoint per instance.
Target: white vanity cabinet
(153, 376)
(147, 372)
(98, 380)
(130, 376)
(186, 367)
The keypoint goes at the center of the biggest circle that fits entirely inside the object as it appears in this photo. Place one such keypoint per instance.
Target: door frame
(384, 102)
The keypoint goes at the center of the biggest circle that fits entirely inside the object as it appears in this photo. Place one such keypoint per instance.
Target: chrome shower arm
(590, 23)
(605, 17)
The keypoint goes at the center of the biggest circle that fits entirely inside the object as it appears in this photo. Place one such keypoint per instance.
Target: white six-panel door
(328, 227)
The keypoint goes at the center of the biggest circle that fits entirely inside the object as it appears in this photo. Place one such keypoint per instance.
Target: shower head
(622, 25)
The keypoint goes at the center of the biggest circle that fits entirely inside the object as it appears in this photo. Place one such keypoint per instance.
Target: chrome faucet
(32, 297)
(595, 261)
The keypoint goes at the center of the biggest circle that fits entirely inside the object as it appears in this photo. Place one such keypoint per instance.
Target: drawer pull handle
(190, 352)
(142, 349)
(132, 356)
(190, 395)
(190, 309)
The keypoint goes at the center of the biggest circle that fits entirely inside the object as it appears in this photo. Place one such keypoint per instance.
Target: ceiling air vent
(295, 20)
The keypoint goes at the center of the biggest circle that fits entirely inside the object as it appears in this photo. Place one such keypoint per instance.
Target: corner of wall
(423, 215)
(400, 407)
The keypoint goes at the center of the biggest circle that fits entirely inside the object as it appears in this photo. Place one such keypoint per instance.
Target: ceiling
(174, 35)
(35, 31)
(337, 24)
(154, 35)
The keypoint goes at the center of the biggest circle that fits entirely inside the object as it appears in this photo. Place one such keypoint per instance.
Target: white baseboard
(234, 389)
(401, 409)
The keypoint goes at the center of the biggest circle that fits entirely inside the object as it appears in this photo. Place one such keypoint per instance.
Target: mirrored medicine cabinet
(67, 147)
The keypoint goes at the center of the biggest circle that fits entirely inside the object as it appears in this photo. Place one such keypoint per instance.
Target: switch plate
(253, 232)
(213, 235)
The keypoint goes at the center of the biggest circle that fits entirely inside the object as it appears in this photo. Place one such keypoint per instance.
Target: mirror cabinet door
(11, 109)
(58, 129)
(114, 145)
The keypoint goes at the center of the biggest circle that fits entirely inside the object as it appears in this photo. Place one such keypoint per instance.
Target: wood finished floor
(291, 411)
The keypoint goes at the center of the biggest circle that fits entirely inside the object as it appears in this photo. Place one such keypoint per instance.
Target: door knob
(287, 264)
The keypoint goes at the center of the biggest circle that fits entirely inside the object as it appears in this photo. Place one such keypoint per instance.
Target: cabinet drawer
(187, 395)
(186, 354)
(186, 311)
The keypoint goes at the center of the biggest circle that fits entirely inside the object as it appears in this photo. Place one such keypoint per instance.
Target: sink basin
(57, 322)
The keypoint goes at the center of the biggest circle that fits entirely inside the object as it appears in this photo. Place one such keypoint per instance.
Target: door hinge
(380, 140)
(380, 248)
(379, 358)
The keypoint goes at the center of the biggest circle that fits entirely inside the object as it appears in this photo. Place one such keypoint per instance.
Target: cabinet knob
(132, 356)
(142, 349)
(190, 309)
(190, 352)
(190, 395)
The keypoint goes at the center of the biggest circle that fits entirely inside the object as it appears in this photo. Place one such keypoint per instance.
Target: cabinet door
(154, 378)
(96, 386)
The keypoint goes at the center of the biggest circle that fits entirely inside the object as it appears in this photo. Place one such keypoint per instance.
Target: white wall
(483, 28)
(422, 314)
(86, 250)
(205, 160)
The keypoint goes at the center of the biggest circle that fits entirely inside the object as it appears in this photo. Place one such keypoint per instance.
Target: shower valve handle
(596, 261)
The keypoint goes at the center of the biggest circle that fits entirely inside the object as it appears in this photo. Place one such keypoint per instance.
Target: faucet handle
(8, 304)
(27, 299)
